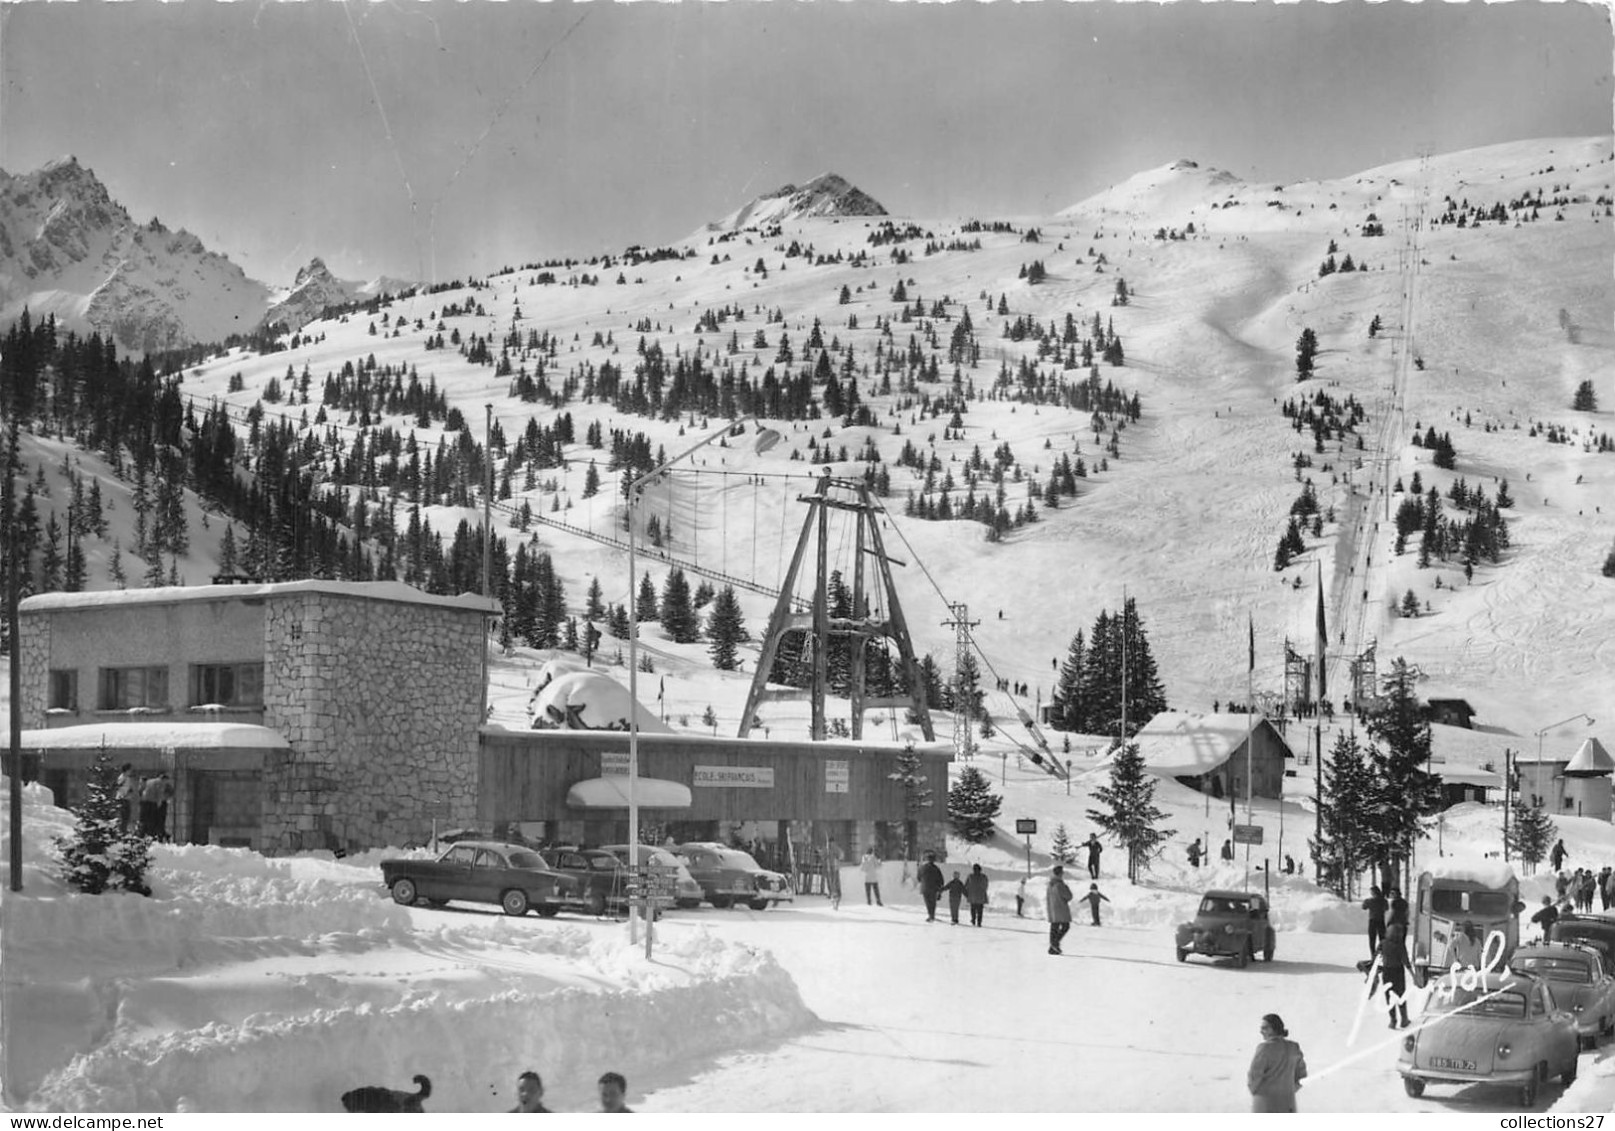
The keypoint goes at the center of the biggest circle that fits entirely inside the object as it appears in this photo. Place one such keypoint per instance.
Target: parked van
(1455, 914)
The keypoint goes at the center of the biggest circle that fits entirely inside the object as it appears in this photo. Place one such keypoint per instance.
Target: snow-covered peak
(826, 195)
(1165, 191)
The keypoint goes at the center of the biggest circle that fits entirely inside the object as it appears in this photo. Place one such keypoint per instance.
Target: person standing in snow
(1020, 899)
(976, 894)
(1277, 1069)
(956, 892)
(1195, 852)
(1094, 849)
(1546, 917)
(930, 885)
(1606, 887)
(127, 794)
(1391, 975)
(1376, 906)
(1058, 903)
(1227, 850)
(870, 867)
(1094, 898)
(1557, 854)
(151, 795)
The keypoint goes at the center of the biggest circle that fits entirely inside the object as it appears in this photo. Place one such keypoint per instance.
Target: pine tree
(1068, 706)
(678, 614)
(100, 855)
(725, 629)
(594, 607)
(1339, 853)
(1061, 848)
(1306, 349)
(227, 550)
(916, 794)
(1132, 819)
(1403, 794)
(972, 805)
(1530, 834)
(645, 606)
(1585, 399)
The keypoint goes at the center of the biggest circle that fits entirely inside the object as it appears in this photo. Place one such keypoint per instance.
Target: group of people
(530, 1093)
(1580, 887)
(972, 891)
(151, 795)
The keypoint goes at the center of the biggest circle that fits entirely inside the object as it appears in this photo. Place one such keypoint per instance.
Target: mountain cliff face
(67, 248)
(824, 196)
(314, 289)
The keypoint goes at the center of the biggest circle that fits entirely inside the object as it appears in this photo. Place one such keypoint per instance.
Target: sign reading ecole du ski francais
(734, 777)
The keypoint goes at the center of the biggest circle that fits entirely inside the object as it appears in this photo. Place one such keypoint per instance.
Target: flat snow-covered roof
(395, 591)
(191, 736)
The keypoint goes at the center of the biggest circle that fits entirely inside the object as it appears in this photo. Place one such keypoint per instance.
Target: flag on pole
(1323, 634)
(661, 689)
(1252, 666)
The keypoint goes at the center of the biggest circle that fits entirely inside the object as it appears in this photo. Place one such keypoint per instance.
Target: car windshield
(1217, 905)
(1456, 901)
(602, 863)
(1556, 969)
(1477, 1002)
(523, 859)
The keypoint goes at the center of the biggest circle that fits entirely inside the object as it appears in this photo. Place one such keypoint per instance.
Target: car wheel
(1413, 1086)
(1568, 1076)
(1183, 955)
(720, 901)
(595, 903)
(404, 892)
(757, 904)
(514, 902)
(1244, 958)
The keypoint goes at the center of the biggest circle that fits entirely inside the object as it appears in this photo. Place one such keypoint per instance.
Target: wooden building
(1208, 752)
(572, 786)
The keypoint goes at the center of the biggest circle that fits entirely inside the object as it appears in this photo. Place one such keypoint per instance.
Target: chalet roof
(156, 736)
(1185, 743)
(395, 591)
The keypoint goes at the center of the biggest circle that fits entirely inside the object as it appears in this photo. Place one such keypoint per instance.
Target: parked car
(602, 884)
(475, 871)
(1491, 1028)
(1590, 930)
(686, 892)
(728, 875)
(1580, 982)
(1229, 924)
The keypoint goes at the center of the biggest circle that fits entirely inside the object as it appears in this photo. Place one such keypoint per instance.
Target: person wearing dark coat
(976, 893)
(1391, 976)
(1557, 854)
(1227, 850)
(1376, 905)
(1094, 849)
(1277, 1069)
(956, 892)
(1399, 909)
(1195, 852)
(1093, 899)
(930, 885)
(1057, 901)
(1546, 917)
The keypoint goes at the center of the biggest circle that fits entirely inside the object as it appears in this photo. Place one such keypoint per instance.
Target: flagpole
(1317, 726)
(1250, 718)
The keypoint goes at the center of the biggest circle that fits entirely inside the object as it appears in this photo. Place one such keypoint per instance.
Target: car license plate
(1449, 1062)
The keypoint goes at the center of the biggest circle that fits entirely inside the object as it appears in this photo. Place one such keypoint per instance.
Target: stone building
(307, 714)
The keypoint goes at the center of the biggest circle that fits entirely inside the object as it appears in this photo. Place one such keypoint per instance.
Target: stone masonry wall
(381, 702)
(34, 670)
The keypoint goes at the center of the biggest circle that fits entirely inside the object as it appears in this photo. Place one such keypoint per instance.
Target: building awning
(612, 793)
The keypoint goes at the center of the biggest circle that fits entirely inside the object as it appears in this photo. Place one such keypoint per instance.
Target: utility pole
(961, 625)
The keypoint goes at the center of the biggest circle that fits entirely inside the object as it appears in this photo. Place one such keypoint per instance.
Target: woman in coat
(1391, 979)
(956, 892)
(1058, 902)
(976, 893)
(1277, 1069)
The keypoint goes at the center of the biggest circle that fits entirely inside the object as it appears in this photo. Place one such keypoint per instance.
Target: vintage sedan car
(1580, 983)
(728, 876)
(1589, 930)
(1229, 924)
(1491, 1027)
(686, 892)
(476, 871)
(602, 883)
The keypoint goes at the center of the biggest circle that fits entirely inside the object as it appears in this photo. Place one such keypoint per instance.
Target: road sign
(1247, 834)
(1025, 826)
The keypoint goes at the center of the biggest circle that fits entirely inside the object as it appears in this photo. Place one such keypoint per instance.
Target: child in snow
(1094, 898)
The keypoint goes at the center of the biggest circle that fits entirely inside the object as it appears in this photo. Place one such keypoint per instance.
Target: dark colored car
(728, 876)
(1580, 982)
(1590, 930)
(1229, 924)
(473, 871)
(601, 882)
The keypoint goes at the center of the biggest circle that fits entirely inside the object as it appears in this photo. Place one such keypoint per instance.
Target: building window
(124, 689)
(227, 685)
(64, 690)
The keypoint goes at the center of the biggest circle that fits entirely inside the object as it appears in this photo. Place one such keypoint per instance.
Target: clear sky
(438, 139)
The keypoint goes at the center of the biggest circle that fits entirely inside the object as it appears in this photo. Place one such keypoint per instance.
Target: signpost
(1247, 834)
(650, 886)
(1026, 826)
